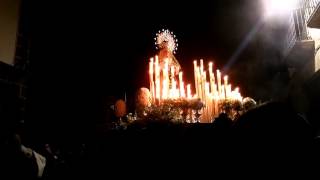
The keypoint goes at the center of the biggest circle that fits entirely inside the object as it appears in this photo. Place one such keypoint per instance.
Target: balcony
(307, 14)
(296, 32)
(312, 12)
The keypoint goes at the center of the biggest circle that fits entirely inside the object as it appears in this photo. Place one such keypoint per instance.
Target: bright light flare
(279, 7)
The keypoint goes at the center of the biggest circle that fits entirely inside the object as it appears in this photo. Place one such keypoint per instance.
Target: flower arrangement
(174, 110)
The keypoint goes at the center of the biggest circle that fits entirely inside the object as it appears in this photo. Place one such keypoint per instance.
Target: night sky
(84, 52)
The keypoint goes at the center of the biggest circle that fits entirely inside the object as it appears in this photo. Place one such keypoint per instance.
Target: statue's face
(164, 45)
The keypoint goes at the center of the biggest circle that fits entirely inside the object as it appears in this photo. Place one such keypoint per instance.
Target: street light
(279, 7)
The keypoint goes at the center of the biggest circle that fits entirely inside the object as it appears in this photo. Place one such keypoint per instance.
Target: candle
(225, 85)
(165, 84)
(151, 70)
(228, 91)
(196, 76)
(210, 67)
(151, 75)
(212, 81)
(223, 94)
(164, 89)
(157, 69)
(215, 91)
(216, 105)
(181, 84)
(172, 73)
(166, 65)
(189, 91)
(207, 102)
(203, 85)
(236, 90)
(201, 66)
(207, 85)
(199, 83)
(219, 82)
(175, 92)
(238, 94)
(173, 83)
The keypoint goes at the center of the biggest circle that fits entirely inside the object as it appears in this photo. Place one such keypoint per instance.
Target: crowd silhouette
(273, 132)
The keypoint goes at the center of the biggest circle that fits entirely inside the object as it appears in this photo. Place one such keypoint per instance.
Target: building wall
(317, 61)
(13, 79)
(9, 16)
(315, 35)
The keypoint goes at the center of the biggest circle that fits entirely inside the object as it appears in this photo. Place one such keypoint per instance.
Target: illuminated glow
(157, 73)
(189, 91)
(277, 7)
(314, 33)
(151, 72)
(225, 80)
(212, 79)
(219, 83)
(166, 39)
(196, 75)
(164, 85)
(181, 83)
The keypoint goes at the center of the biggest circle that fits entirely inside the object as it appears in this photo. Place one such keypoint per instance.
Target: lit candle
(215, 91)
(181, 84)
(236, 90)
(204, 81)
(164, 89)
(223, 94)
(195, 75)
(201, 66)
(228, 92)
(199, 83)
(212, 81)
(172, 73)
(207, 89)
(189, 91)
(219, 82)
(151, 69)
(216, 105)
(225, 85)
(210, 67)
(158, 89)
(207, 101)
(173, 83)
(238, 94)
(165, 84)
(151, 75)
(166, 65)
(175, 92)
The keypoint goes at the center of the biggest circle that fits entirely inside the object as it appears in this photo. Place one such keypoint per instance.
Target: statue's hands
(26, 151)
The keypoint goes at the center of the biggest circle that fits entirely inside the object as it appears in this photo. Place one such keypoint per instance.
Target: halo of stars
(166, 38)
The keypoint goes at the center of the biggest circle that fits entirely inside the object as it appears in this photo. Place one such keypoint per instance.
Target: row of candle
(163, 84)
(211, 91)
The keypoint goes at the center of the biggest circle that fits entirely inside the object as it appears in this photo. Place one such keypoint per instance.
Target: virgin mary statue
(167, 45)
